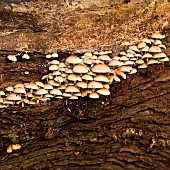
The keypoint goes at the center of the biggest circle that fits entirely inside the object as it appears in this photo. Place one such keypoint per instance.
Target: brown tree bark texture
(130, 129)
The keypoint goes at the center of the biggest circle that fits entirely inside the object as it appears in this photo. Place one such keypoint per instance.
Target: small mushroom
(103, 91)
(12, 58)
(94, 95)
(9, 149)
(54, 55)
(101, 68)
(26, 56)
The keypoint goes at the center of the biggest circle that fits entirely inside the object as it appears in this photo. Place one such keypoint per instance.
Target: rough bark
(130, 129)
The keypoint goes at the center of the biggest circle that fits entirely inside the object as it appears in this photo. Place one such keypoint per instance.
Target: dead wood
(127, 130)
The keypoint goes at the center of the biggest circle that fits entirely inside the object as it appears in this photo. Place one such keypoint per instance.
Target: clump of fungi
(12, 147)
(89, 75)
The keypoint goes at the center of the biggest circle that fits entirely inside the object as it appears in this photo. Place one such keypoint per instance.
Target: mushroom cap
(49, 76)
(124, 58)
(88, 54)
(2, 106)
(94, 95)
(164, 59)
(139, 61)
(1, 100)
(54, 55)
(115, 78)
(103, 91)
(104, 57)
(59, 79)
(146, 48)
(155, 49)
(114, 63)
(94, 85)
(9, 149)
(124, 69)
(144, 65)
(91, 73)
(115, 58)
(74, 77)
(133, 59)
(159, 55)
(80, 68)
(71, 89)
(133, 71)
(131, 51)
(85, 92)
(73, 60)
(41, 92)
(16, 146)
(67, 94)
(54, 62)
(12, 57)
(162, 46)
(134, 48)
(68, 71)
(53, 83)
(129, 55)
(101, 68)
(120, 73)
(13, 96)
(107, 86)
(122, 53)
(19, 85)
(78, 94)
(56, 92)
(26, 56)
(53, 67)
(147, 55)
(94, 57)
(48, 56)
(157, 35)
(97, 61)
(146, 40)
(20, 90)
(2, 93)
(48, 86)
(128, 63)
(9, 88)
(62, 65)
(88, 61)
(141, 44)
(56, 73)
(40, 84)
(73, 97)
(101, 78)
(82, 84)
(137, 55)
(62, 86)
(63, 75)
(157, 42)
(31, 86)
(87, 77)
(48, 95)
(152, 61)
(8, 102)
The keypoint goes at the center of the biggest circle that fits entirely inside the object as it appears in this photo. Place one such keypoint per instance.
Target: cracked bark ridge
(127, 130)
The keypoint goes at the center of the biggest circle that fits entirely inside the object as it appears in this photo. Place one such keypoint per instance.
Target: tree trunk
(130, 129)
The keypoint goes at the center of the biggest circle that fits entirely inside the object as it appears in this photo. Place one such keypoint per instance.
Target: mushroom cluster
(12, 147)
(89, 75)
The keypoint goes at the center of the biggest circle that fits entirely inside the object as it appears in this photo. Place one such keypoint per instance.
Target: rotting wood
(127, 130)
